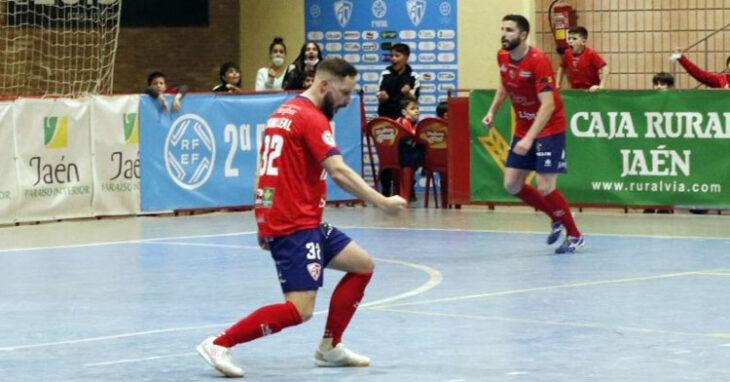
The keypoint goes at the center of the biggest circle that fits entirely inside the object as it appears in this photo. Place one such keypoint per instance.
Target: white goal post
(58, 47)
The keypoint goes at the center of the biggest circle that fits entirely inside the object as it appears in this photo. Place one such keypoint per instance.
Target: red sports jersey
(583, 68)
(523, 80)
(707, 78)
(292, 189)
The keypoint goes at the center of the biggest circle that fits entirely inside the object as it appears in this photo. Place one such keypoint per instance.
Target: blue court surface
(444, 305)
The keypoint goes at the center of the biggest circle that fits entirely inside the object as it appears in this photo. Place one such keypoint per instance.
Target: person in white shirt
(271, 77)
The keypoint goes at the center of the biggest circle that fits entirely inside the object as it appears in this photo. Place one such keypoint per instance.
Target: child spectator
(442, 110)
(663, 81)
(308, 79)
(721, 81)
(410, 152)
(397, 81)
(230, 76)
(157, 88)
(585, 68)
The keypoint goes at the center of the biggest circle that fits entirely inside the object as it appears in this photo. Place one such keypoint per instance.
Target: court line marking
(536, 232)
(435, 278)
(131, 241)
(549, 287)
(591, 325)
(233, 246)
(134, 241)
(131, 360)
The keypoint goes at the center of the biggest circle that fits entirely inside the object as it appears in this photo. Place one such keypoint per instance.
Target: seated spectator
(585, 68)
(272, 77)
(442, 110)
(230, 76)
(717, 81)
(308, 79)
(411, 153)
(663, 81)
(309, 57)
(157, 88)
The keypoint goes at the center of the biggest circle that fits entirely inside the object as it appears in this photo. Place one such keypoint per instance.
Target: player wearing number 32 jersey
(297, 152)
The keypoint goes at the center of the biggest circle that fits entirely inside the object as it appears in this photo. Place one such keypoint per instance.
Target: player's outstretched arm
(499, 96)
(351, 182)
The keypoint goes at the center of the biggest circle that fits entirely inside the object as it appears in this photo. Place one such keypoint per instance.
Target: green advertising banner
(623, 148)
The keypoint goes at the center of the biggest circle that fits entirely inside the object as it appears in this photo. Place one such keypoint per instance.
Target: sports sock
(561, 210)
(343, 304)
(266, 320)
(532, 197)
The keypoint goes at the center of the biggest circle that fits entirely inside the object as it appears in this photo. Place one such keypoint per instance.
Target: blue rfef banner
(205, 156)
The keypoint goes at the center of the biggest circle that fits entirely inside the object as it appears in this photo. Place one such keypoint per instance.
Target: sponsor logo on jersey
(315, 270)
(267, 197)
(524, 74)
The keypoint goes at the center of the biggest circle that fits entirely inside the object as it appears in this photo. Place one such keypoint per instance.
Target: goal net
(58, 47)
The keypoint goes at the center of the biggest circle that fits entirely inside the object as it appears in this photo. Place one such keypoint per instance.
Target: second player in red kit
(538, 144)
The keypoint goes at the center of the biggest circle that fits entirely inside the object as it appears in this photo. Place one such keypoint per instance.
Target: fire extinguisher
(561, 17)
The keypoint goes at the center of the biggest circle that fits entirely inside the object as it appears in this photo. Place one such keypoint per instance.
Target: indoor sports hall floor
(458, 295)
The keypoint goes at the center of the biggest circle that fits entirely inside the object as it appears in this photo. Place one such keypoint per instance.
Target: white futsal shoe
(339, 356)
(219, 357)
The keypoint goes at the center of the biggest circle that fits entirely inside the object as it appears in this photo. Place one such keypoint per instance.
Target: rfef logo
(131, 128)
(190, 151)
(55, 131)
(343, 11)
(416, 10)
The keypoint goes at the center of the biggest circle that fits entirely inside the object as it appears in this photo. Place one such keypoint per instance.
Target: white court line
(204, 245)
(533, 232)
(434, 279)
(139, 359)
(135, 241)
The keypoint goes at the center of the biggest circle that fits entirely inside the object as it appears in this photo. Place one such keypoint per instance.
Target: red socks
(266, 320)
(561, 211)
(343, 304)
(532, 197)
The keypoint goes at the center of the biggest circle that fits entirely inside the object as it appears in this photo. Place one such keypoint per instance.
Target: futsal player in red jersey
(297, 152)
(538, 143)
(585, 68)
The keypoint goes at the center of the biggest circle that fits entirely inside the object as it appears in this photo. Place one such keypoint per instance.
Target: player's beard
(510, 44)
(328, 105)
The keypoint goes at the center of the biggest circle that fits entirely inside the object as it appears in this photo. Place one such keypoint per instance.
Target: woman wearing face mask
(272, 77)
(230, 76)
(307, 61)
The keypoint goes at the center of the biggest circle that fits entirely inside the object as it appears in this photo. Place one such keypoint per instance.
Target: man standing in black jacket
(397, 82)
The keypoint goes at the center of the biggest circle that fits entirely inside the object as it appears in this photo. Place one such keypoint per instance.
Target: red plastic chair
(386, 133)
(434, 133)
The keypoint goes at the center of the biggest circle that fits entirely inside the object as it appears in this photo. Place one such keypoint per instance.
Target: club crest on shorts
(315, 270)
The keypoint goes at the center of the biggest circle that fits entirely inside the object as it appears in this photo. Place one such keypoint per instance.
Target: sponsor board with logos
(9, 180)
(428, 27)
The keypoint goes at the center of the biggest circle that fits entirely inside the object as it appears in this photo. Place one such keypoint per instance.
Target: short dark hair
(275, 42)
(441, 109)
(579, 30)
(401, 48)
(522, 23)
(663, 78)
(727, 62)
(337, 67)
(404, 102)
(151, 77)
